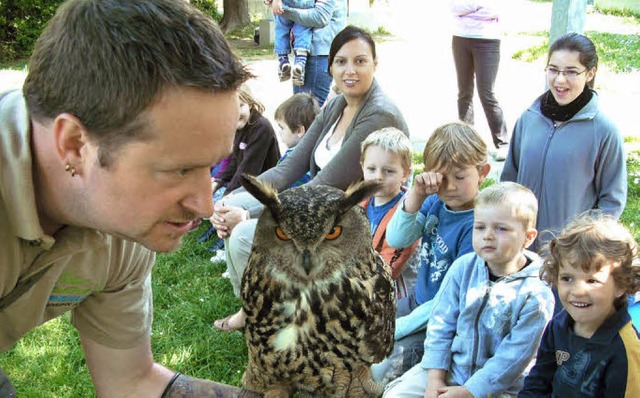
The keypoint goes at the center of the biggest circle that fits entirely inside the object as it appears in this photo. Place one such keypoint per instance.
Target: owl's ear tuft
(358, 192)
(264, 192)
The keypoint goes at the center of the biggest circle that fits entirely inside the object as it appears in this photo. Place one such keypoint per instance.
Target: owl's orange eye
(334, 233)
(280, 233)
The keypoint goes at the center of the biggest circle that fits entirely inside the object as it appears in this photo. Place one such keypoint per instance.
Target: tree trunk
(236, 15)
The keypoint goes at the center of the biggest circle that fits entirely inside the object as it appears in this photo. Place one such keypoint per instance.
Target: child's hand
(454, 392)
(429, 182)
(425, 184)
(276, 6)
(435, 383)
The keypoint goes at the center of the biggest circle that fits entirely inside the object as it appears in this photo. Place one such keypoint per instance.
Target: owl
(319, 301)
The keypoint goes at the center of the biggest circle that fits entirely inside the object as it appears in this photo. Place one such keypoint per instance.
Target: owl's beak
(306, 261)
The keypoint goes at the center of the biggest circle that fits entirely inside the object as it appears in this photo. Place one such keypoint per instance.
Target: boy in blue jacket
(491, 310)
(591, 349)
(438, 209)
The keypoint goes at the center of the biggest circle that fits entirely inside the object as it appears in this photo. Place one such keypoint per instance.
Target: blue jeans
(301, 36)
(317, 80)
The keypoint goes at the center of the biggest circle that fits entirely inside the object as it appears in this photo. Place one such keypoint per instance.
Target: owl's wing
(379, 323)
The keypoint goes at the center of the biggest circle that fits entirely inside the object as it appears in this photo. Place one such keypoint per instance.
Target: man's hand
(425, 184)
(226, 217)
(185, 386)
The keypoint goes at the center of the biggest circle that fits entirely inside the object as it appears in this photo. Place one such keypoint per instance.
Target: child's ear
(405, 177)
(530, 236)
(483, 172)
(299, 131)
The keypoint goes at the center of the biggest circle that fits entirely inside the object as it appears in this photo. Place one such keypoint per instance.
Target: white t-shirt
(323, 154)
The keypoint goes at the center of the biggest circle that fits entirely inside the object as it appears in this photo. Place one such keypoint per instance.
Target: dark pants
(317, 80)
(479, 58)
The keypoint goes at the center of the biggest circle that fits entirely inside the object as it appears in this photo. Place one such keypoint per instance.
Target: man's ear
(483, 172)
(70, 138)
(530, 236)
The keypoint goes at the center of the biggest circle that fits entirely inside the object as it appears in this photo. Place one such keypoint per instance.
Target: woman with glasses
(563, 147)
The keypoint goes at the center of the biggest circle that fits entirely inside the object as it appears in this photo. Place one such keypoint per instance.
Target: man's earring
(70, 169)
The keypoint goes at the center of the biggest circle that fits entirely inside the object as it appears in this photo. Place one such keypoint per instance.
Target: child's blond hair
(590, 241)
(454, 144)
(516, 196)
(390, 139)
(246, 96)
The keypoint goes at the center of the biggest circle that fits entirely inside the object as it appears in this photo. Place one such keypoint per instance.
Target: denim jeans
(479, 58)
(317, 80)
(301, 36)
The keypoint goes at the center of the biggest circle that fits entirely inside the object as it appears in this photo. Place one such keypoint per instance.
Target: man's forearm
(185, 386)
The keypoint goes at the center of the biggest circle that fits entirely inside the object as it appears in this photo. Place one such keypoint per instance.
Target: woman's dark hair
(346, 35)
(581, 44)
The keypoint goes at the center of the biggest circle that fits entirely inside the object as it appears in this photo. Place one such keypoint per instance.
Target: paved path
(416, 67)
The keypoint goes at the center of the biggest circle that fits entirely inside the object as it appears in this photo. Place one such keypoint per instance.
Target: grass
(189, 294)
(619, 52)
(624, 12)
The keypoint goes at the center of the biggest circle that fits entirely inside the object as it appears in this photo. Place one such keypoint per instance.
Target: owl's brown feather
(316, 328)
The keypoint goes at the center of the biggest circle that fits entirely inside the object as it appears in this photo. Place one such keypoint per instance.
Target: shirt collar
(17, 187)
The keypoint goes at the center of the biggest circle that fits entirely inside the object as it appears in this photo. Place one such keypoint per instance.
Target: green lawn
(189, 293)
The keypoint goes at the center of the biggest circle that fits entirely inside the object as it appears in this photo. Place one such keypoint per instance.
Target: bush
(22, 21)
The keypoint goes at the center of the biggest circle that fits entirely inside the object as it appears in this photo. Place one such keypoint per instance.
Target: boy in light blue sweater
(491, 310)
(438, 209)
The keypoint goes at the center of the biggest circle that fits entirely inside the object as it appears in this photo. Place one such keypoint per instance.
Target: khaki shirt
(104, 281)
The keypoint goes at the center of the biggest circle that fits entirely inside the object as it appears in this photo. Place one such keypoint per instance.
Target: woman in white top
(330, 149)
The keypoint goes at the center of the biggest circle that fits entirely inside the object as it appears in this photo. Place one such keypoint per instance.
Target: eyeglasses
(569, 74)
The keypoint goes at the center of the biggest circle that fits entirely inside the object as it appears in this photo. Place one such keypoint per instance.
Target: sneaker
(220, 256)
(226, 274)
(500, 154)
(298, 75)
(284, 72)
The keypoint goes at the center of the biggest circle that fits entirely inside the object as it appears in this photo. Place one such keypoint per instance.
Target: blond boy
(491, 310)
(386, 159)
(592, 348)
(439, 210)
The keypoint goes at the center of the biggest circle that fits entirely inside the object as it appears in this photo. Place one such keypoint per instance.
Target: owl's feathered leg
(363, 385)
(279, 391)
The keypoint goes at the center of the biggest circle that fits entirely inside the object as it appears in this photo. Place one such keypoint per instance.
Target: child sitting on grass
(591, 349)
(386, 159)
(491, 310)
(255, 145)
(293, 118)
(438, 209)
